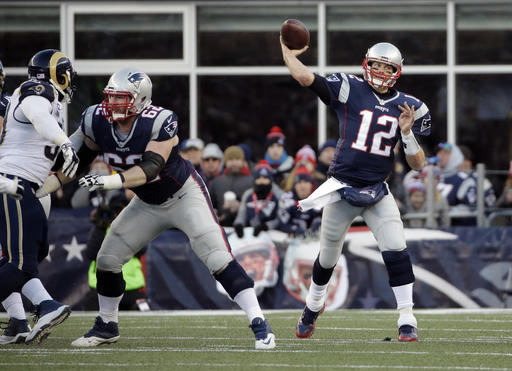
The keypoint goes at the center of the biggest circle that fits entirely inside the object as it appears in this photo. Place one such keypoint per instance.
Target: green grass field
(221, 340)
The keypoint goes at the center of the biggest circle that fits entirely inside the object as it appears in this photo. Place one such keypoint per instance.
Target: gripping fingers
(20, 189)
(70, 160)
(92, 182)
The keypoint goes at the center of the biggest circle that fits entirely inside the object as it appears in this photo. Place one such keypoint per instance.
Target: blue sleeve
(338, 86)
(169, 128)
(422, 120)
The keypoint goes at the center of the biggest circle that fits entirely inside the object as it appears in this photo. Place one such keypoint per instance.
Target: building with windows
(218, 63)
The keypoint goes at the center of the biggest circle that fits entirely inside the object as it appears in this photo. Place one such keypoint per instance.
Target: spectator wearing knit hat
(212, 159)
(276, 155)
(305, 156)
(236, 178)
(291, 220)
(325, 156)
(258, 207)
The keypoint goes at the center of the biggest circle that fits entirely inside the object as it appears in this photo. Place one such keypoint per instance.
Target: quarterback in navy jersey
(372, 117)
(140, 141)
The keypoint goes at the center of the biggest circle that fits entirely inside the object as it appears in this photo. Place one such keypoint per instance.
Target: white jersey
(23, 151)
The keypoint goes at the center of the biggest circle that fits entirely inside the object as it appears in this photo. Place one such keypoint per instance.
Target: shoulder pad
(38, 88)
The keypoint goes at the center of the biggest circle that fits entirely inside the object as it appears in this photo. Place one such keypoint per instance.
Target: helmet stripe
(54, 60)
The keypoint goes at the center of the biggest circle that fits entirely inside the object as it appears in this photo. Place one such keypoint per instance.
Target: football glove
(70, 160)
(257, 230)
(20, 189)
(239, 229)
(92, 182)
(12, 187)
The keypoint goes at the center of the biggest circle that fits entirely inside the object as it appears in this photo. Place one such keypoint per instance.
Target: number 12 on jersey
(389, 125)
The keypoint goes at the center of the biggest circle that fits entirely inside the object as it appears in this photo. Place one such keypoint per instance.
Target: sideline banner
(454, 267)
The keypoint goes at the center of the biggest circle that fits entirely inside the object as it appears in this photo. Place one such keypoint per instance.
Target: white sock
(247, 300)
(316, 296)
(14, 306)
(404, 304)
(35, 291)
(109, 308)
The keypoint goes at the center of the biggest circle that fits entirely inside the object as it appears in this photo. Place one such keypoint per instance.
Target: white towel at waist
(323, 195)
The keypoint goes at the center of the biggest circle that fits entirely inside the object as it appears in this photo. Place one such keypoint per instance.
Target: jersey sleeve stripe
(420, 112)
(160, 119)
(88, 123)
(344, 89)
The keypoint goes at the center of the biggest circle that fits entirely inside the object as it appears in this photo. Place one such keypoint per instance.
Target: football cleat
(49, 314)
(265, 338)
(101, 333)
(307, 322)
(15, 332)
(407, 333)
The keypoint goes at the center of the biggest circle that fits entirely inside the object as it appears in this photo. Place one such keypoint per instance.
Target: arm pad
(151, 164)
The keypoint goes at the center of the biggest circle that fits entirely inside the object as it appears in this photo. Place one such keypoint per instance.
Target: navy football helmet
(54, 67)
(2, 76)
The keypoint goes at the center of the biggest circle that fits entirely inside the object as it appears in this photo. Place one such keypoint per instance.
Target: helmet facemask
(127, 93)
(118, 110)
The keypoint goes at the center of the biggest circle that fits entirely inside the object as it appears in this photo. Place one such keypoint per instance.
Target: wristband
(411, 146)
(112, 182)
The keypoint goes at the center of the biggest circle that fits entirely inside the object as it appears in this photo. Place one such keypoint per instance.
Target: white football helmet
(258, 256)
(298, 272)
(385, 53)
(135, 86)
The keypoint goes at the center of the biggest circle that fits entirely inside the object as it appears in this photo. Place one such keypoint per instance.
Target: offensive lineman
(29, 143)
(372, 118)
(140, 142)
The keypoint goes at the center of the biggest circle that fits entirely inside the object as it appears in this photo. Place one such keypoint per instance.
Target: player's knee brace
(12, 279)
(398, 264)
(234, 279)
(321, 275)
(110, 284)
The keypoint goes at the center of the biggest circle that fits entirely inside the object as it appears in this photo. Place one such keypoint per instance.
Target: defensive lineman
(372, 118)
(29, 143)
(140, 142)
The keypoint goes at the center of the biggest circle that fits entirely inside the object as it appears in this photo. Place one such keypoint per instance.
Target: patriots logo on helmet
(136, 78)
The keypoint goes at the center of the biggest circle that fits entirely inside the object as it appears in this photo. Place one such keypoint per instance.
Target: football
(295, 34)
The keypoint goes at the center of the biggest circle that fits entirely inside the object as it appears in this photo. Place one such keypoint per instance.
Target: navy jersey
(4, 101)
(153, 124)
(368, 128)
(293, 220)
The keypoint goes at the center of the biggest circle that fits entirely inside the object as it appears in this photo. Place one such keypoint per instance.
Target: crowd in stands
(263, 193)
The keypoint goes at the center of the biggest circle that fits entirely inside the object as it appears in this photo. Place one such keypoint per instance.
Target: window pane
(129, 36)
(242, 109)
(26, 30)
(431, 89)
(483, 118)
(170, 92)
(419, 32)
(249, 36)
(484, 34)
